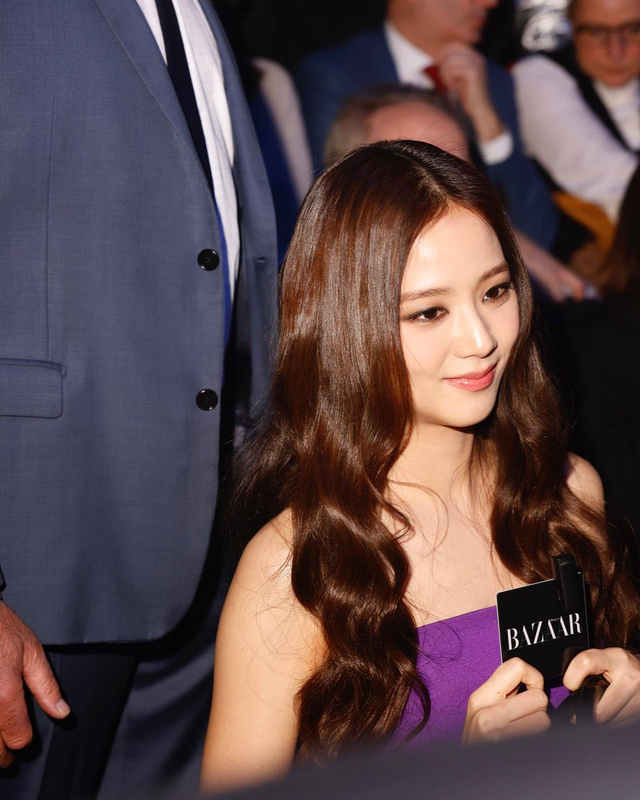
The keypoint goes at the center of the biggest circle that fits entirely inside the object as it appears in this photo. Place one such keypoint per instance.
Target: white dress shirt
(410, 63)
(280, 94)
(567, 138)
(205, 69)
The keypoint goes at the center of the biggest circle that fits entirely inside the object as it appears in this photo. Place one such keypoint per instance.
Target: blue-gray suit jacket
(326, 78)
(108, 326)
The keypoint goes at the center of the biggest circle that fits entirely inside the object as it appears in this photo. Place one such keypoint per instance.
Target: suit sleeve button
(208, 260)
(207, 399)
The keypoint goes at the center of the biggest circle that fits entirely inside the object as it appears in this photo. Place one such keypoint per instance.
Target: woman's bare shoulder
(267, 646)
(261, 597)
(584, 482)
(267, 556)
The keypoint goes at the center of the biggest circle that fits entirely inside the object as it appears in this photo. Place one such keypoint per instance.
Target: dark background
(285, 30)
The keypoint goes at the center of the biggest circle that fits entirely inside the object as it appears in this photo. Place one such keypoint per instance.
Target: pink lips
(474, 381)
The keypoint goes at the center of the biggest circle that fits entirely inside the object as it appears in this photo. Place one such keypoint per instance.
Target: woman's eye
(429, 314)
(498, 292)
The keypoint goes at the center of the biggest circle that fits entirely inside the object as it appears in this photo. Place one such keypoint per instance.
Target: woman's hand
(496, 710)
(621, 700)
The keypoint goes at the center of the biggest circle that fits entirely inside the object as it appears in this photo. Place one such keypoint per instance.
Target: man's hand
(559, 282)
(464, 73)
(22, 657)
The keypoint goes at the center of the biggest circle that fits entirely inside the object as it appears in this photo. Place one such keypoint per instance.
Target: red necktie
(438, 84)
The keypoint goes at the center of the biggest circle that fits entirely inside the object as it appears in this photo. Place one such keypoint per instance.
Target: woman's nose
(473, 335)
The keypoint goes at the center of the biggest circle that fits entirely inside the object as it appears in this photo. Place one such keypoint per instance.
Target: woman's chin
(466, 422)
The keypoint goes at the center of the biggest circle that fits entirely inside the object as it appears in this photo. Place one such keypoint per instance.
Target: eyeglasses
(601, 35)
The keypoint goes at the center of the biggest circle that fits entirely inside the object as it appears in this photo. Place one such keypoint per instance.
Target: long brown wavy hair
(340, 416)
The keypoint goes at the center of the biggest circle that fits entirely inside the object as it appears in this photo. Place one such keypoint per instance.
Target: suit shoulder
(498, 76)
(362, 47)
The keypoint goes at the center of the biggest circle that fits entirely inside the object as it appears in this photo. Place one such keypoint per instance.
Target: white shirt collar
(409, 60)
(618, 95)
(622, 104)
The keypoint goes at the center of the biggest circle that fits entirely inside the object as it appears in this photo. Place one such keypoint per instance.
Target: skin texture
(23, 659)
(616, 61)
(430, 24)
(620, 702)
(496, 710)
(464, 72)
(468, 323)
(420, 122)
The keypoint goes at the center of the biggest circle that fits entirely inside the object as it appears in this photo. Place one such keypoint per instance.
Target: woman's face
(458, 320)
(607, 39)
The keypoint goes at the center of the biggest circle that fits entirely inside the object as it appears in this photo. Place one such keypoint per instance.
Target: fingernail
(62, 708)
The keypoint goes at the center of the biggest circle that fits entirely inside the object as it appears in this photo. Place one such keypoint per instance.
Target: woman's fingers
(531, 725)
(621, 699)
(506, 681)
(519, 715)
(496, 710)
(618, 699)
(589, 662)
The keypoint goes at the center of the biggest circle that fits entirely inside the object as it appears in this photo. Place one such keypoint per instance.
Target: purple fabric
(456, 656)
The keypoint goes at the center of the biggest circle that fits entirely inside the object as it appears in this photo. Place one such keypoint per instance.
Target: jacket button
(207, 399)
(208, 260)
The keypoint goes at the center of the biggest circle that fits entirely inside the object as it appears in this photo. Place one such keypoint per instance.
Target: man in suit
(137, 248)
(417, 36)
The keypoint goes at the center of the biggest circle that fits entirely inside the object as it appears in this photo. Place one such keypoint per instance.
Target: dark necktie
(438, 84)
(179, 73)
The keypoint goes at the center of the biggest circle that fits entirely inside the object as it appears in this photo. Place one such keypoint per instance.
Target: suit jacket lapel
(385, 67)
(129, 25)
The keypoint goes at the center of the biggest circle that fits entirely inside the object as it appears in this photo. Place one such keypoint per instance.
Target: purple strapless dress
(456, 656)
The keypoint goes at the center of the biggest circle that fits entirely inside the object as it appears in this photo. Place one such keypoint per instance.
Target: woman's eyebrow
(497, 270)
(420, 294)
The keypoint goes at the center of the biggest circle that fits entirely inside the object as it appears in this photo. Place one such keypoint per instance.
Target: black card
(536, 626)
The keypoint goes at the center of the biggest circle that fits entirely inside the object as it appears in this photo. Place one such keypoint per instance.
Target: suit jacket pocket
(30, 388)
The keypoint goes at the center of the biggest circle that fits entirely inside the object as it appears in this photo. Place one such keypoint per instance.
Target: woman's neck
(434, 457)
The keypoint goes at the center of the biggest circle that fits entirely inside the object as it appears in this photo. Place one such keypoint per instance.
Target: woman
(580, 106)
(413, 465)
